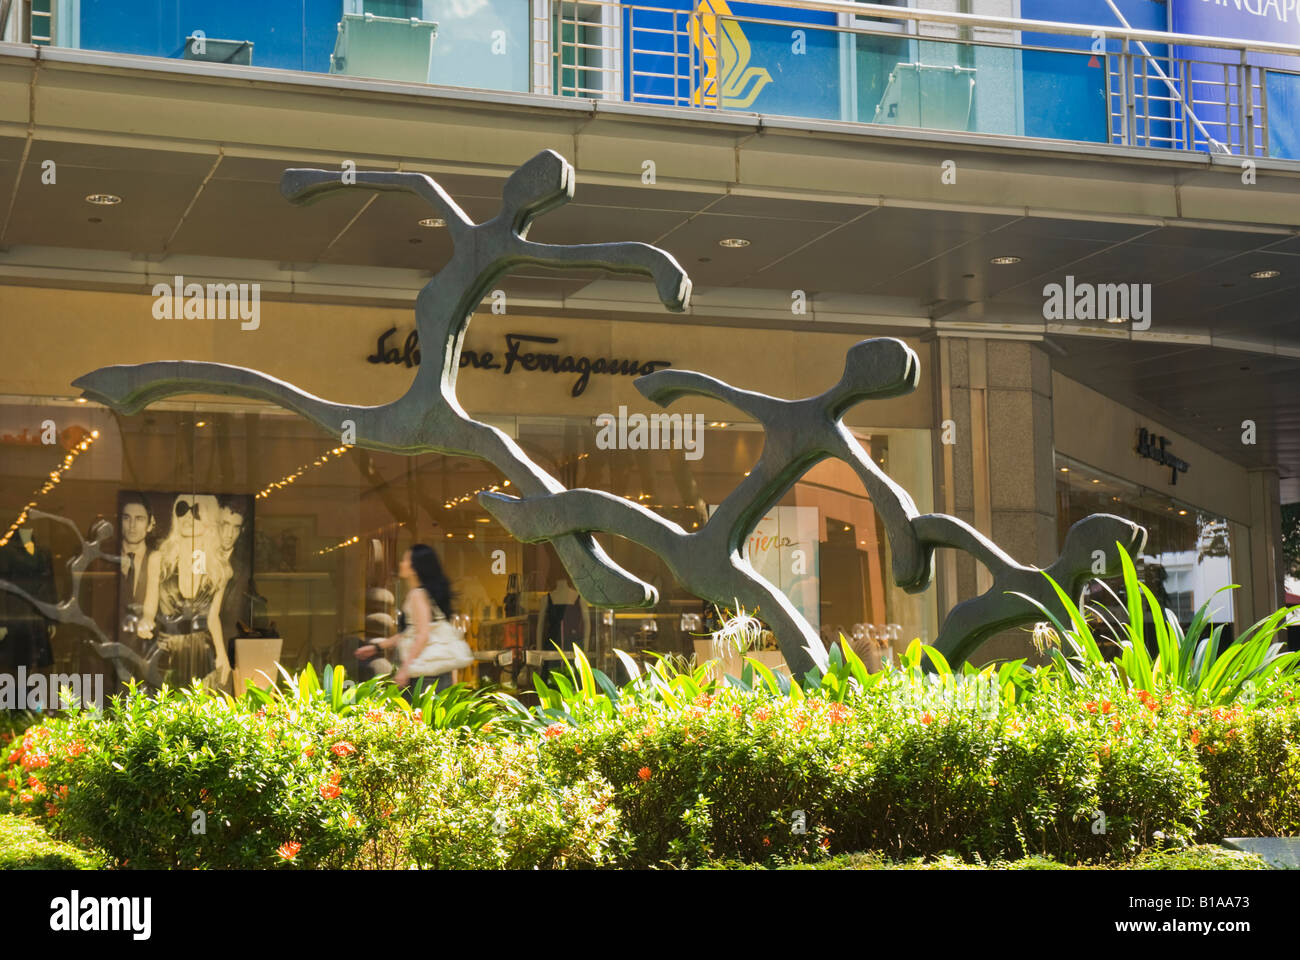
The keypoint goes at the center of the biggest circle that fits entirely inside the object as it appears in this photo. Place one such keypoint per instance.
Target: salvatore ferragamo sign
(521, 353)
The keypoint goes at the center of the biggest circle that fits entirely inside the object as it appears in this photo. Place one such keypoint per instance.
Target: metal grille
(578, 49)
(1145, 112)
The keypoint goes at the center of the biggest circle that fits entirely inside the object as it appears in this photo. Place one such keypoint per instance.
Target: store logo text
(516, 356)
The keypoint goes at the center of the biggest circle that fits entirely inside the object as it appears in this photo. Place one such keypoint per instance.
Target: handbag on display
(446, 650)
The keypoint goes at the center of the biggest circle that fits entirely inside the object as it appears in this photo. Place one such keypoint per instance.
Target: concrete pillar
(998, 475)
(1262, 582)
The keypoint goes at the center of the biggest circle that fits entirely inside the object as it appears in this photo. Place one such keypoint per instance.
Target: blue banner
(1277, 21)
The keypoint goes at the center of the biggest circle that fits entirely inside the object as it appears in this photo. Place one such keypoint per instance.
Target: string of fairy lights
(56, 477)
(466, 498)
(289, 478)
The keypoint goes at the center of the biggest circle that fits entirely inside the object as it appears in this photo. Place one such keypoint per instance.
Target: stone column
(998, 473)
(1262, 583)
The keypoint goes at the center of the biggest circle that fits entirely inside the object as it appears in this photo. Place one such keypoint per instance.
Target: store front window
(1188, 550)
(244, 528)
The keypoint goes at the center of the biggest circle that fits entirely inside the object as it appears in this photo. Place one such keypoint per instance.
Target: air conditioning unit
(932, 98)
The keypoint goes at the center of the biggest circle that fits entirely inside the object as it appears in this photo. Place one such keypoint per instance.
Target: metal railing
(686, 55)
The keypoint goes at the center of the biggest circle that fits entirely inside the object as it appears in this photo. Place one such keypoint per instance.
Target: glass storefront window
(1188, 555)
(300, 538)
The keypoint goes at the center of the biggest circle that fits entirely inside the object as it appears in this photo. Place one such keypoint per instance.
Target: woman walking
(428, 599)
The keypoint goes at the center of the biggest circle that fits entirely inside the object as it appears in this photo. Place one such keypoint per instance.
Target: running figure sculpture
(428, 418)
(798, 434)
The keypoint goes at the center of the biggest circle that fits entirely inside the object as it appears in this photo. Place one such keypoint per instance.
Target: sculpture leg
(694, 566)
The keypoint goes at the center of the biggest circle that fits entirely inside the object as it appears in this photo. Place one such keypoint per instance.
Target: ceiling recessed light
(734, 243)
(433, 222)
(1004, 261)
(201, 424)
(1065, 469)
(1265, 274)
(104, 199)
(482, 520)
(1096, 481)
(1182, 513)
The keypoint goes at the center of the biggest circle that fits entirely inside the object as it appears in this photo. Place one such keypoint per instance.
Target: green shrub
(1251, 760)
(184, 780)
(192, 779)
(445, 799)
(891, 771)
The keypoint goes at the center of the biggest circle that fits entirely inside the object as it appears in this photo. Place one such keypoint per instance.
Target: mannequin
(564, 619)
(28, 565)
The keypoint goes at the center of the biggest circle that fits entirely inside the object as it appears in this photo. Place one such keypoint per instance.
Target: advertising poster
(185, 578)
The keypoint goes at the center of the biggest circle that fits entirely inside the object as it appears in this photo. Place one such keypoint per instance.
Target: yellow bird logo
(729, 80)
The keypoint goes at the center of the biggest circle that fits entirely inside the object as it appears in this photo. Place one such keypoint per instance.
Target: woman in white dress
(428, 598)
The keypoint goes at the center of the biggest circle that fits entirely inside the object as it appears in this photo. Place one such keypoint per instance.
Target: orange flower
(374, 716)
(288, 851)
(1196, 737)
(330, 791)
(644, 773)
(762, 713)
(927, 717)
(1090, 706)
(336, 778)
(1106, 706)
(37, 759)
(51, 810)
(554, 730)
(736, 711)
(342, 749)
(309, 752)
(76, 748)
(838, 713)
(25, 797)
(767, 842)
(1117, 725)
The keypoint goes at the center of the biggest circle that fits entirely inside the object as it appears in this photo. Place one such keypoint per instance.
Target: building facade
(823, 176)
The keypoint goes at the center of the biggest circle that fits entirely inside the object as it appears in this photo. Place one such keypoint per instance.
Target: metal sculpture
(709, 562)
(428, 418)
(69, 611)
(1090, 551)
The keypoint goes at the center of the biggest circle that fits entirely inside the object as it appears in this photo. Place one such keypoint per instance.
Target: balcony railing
(871, 63)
